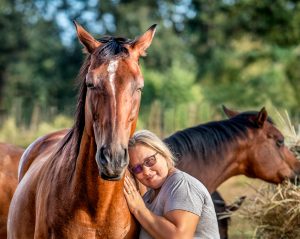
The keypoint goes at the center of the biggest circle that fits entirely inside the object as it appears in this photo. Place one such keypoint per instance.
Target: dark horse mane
(112, 48)
(213, 138)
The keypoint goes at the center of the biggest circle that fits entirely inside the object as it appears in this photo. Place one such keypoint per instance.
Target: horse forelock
(112, 48)
(211, 140)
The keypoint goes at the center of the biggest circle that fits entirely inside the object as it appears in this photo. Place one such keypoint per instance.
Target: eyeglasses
(149, 162)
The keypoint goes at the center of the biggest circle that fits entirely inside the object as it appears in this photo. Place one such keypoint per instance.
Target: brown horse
(74, 188)
(9, 160)
(246, 144)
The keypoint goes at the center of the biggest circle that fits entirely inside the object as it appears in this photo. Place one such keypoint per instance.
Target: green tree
(37, 69)
(221, 34)
(12, 37)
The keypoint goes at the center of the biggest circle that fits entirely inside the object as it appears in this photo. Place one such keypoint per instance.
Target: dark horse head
(110, 94)
(271, 160)
(248, 143)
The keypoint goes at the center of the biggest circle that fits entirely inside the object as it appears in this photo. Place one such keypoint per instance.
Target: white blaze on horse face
(111, 69)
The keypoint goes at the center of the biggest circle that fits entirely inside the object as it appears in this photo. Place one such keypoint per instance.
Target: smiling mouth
(150, 178)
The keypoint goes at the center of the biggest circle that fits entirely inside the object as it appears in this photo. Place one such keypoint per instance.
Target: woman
(176, 205)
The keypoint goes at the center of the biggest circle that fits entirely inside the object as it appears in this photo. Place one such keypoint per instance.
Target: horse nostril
(125, 153)
(124, 159)
(104, 156)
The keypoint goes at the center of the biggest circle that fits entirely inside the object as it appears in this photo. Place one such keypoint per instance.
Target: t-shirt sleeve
(184, 195)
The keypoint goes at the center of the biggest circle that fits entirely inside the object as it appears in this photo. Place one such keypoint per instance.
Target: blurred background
(243, 54)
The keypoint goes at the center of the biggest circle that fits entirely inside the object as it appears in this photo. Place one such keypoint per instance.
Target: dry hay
(275, 210)
(291, 135)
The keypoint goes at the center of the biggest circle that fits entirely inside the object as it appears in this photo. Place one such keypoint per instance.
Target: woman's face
(154, 176)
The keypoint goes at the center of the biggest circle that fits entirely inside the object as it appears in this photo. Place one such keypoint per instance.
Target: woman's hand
(134, 200)
(174, 224)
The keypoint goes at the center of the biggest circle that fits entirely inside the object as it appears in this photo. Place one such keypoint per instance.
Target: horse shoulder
(24, 203)
(39, 149)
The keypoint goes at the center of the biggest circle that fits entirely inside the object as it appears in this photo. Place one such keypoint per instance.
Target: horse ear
(89, 42)
(141, 43)
(261, 117)
(228, 112)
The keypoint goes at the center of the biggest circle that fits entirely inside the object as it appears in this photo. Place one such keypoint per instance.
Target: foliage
(38, 69)
(172, 101)
(10, 132)
(243, 54)
(217, 34)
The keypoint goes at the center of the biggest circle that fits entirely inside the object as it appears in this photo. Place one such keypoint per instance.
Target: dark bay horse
(247, 143)
(9, 160)
(71, 185)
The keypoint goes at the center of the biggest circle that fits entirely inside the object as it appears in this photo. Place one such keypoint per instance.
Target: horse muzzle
(112, 163)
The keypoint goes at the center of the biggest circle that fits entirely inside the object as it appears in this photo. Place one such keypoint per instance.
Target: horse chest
(81, 231)
(83, 226)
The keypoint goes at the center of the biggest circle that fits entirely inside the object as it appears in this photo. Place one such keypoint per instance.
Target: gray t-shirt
(183, 192)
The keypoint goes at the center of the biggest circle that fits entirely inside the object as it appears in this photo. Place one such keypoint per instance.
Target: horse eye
(280, 142)
(140, 89)
(90, 85)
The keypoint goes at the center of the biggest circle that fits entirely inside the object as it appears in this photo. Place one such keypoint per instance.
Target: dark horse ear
(228, 112)
(141, 43)
(261, 117)
(89, 42)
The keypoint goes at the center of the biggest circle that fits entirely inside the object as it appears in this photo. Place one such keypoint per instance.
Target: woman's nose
(146, 170)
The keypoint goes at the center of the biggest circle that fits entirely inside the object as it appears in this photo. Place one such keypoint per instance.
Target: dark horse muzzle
(112, 162)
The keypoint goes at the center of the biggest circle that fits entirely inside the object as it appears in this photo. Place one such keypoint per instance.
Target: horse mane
(211, 139)
(112, 48)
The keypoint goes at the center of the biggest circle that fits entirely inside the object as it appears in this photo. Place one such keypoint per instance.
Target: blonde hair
(149, 139)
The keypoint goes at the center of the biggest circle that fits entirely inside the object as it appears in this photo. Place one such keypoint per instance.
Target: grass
(18, 135)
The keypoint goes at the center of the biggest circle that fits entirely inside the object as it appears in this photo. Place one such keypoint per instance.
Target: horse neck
(86, 199)
(214, 168)
(233, 163)
(86, 182)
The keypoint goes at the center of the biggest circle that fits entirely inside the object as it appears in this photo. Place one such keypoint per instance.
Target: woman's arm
(174, 224)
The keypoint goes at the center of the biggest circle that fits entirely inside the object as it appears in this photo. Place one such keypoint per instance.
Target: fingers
(129, 188)
(130, 184)
(126, 194)
(126, 190)
(134, 199)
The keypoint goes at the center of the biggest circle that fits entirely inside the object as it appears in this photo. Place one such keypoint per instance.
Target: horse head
(113, 86)
(269, 158)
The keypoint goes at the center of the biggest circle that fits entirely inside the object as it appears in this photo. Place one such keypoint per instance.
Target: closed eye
(90, 85)
(280, 142)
